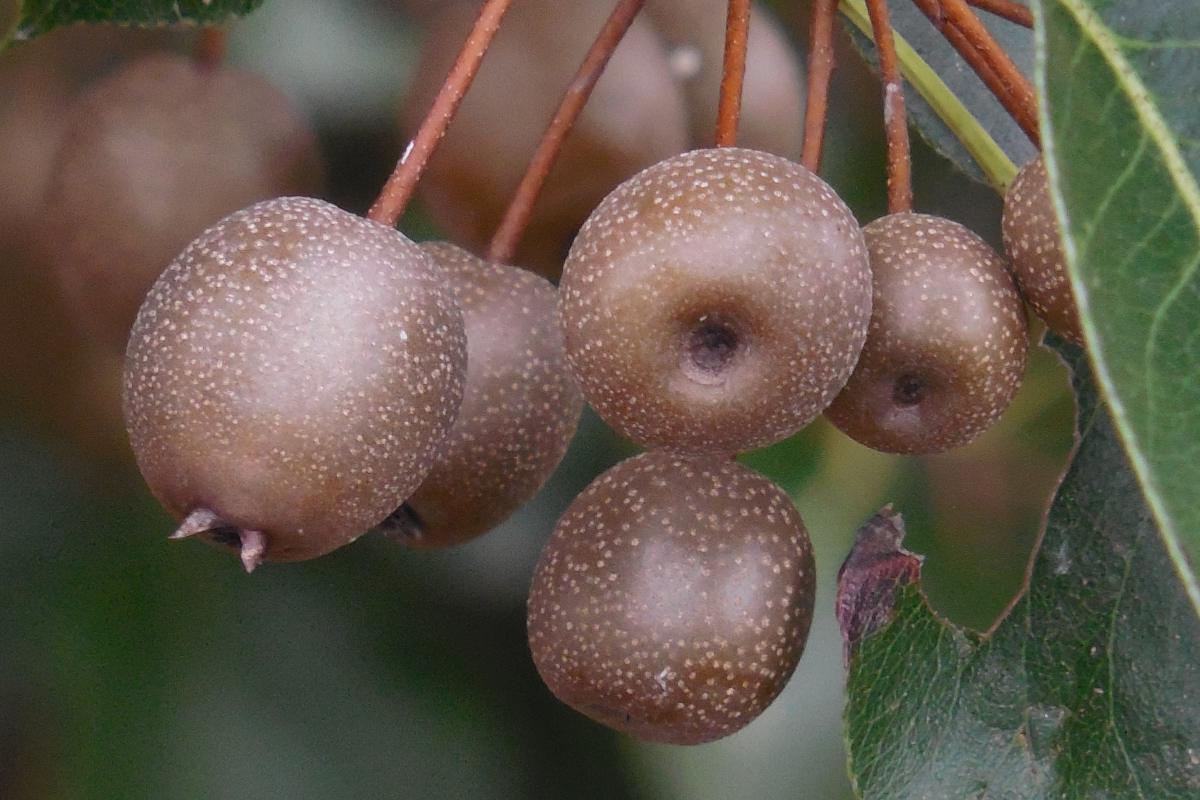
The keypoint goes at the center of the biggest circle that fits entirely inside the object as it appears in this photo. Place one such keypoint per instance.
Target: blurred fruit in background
(774, 90)
(152, 155)
(54, 375)
(636, 116)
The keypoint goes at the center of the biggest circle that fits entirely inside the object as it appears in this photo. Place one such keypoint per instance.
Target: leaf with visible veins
(1090, 685)
(35, 17)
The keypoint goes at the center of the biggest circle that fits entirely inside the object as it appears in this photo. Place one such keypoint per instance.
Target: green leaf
(1122, 138)
(39, 16)
(1090, 686)
(944, 133)
(10, 13)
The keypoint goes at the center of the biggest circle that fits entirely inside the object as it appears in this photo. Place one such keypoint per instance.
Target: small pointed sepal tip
(254, 549)
(200, 520)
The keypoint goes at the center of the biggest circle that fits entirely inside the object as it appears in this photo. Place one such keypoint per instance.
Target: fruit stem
(1006, 9)
(729, 108)
(820, 70)
(995, 163)
(394, 197)
(516, 217)
(963, 30)
(211, 46)
(895, 117)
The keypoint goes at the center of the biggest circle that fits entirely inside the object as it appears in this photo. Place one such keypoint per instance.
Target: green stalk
(995, 163)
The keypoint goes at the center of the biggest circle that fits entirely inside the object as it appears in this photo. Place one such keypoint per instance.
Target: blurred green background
(132, 667)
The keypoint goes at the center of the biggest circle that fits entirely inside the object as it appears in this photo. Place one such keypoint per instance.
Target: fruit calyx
(250, 544)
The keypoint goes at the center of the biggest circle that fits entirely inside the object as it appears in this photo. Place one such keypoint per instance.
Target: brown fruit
(948, 341)
(772, 113)
(152, 156)
(290, 378)
(54, 376)
(674, 598)
(716, 302)
(519, 410)
(1033, 241)
(635, 117)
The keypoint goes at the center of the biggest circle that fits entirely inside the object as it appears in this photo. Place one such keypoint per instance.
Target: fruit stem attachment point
(211, 46)
(975, 43)
(729, 108)
(516, 217)
(1006, 9)
(820, 70)
(199, 520)
(254, 549)
(398, 190)
(895, 117)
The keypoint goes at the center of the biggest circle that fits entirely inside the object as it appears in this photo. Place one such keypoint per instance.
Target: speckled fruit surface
(1034, 244)
(519, 410)
(673, 600)
(293, 372)
(948, 342)
(716, 302)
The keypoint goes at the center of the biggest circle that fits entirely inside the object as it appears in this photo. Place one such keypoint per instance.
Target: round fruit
(772, 112)
(39, 80)
(635, 117)
(78, 399)
(519, 410)
(674, 598)
(948, 340)
(716, 302)
(1033, 241)
(290, 378)
(152, 156)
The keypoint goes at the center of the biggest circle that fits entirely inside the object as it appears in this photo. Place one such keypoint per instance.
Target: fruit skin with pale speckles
(1033, 241)
(290, 378)
(152, 156)
(519, 411)
(948, 341)
(716, 302)
(674, 598)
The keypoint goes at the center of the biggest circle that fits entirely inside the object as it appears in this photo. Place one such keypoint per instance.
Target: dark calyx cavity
(713, 343)
(403, 525)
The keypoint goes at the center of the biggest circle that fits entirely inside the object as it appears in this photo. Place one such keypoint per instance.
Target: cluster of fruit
(299, 376)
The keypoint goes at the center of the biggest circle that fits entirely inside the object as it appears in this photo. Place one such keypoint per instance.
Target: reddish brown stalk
(398, 190)
(820, 70)
(973, 41)
(1006, 9)
(516, 216)
(210, 47)
(729, 110)
(895, 118)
